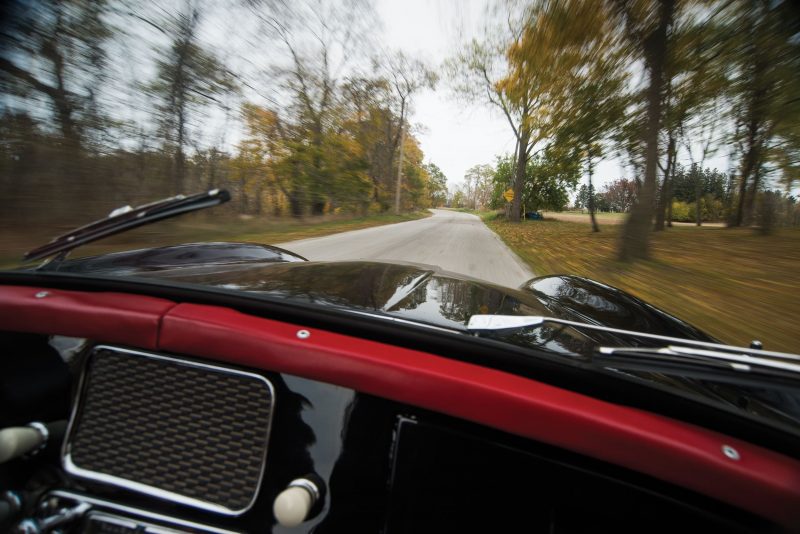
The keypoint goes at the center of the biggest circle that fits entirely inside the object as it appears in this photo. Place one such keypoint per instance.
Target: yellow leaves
(259, 121)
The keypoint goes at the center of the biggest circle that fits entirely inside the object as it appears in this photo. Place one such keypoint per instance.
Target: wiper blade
(736, 362)
(702, 364)
(478, 323)
(126, 218)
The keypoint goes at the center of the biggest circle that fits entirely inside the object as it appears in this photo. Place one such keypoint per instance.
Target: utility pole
(399, 171)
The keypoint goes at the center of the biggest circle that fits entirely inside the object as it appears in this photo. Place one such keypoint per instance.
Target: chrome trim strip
(73, 469)
(131, 524)
(400, 320)
(121, 508)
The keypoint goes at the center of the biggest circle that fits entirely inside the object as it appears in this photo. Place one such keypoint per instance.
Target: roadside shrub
(711, 209)
(682, 212)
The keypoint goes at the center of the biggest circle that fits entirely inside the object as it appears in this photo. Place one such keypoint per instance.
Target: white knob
(292, 505)
(16, 441)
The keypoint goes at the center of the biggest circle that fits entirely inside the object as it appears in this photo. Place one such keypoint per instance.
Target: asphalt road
(454, 241)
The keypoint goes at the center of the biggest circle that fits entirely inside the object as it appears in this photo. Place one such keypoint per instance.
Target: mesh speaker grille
(196, 434)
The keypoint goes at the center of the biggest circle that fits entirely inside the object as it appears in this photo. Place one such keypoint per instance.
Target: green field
(732, 283)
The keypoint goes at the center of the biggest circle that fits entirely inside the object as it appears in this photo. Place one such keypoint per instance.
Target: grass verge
(732, 283)
(200, 227)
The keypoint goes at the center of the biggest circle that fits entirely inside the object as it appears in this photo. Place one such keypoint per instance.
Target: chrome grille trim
(72, 468)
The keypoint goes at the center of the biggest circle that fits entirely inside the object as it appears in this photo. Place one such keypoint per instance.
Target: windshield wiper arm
(478, 323)
(126, 218)
(702, 364)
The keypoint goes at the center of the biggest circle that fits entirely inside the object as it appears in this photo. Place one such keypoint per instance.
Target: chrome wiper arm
(478, 323)
(126, 218)
(723, 359)
(756, 372)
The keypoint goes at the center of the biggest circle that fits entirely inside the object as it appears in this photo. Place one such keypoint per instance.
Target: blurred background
(658, 139)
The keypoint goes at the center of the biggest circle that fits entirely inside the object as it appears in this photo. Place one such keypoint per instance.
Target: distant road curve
(452, 240)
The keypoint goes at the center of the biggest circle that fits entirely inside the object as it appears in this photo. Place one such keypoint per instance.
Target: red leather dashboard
(761, 481)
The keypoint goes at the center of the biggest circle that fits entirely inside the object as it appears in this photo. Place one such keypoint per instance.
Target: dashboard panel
(389, 439)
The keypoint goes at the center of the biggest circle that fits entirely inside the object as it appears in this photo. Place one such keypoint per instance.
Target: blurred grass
(600, 215)
(200, 227)
(732, 283)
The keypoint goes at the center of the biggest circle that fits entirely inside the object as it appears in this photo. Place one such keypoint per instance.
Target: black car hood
(410, 291)
(199, 256)
(414, 292)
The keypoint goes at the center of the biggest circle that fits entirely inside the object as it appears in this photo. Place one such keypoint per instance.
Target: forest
(112, 102)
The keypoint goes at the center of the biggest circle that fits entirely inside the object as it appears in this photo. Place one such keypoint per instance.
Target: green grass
(200, 227)
(732, 283)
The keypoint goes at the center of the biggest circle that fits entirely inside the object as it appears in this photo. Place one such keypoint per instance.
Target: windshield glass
(628, 164)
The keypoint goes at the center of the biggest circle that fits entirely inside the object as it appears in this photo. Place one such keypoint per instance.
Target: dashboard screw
(730, 452)
(303, 334)
(41, 294)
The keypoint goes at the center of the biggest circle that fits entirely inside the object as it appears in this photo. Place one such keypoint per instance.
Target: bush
(682, 212)
(711, 209)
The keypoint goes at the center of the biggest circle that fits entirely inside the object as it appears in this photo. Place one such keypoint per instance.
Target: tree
(437, 184)
(342, 132)
(564, 50)
(407, 76)
(620, 195)
(589, 100)
(475, 74)
(478, 184)
(765, 54)
(550, 176)
(695, 79)
(66, 41)
(187, 77)
(648, 29)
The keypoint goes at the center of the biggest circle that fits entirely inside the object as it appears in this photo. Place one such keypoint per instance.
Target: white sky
(456, 136)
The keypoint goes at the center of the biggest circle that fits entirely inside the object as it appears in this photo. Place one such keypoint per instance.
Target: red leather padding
(107, 317)
(763, 482)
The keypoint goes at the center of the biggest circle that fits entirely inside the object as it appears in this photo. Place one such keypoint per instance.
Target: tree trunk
(595, 227)
(180, 162)
(399, 183)
(243, 196)
(698, 196)
(664, 198)
(259, 194)
(750, 202)
(519, 178)
(749, 164)
(755, 124)
(212, 174)
(295, 205)
(671, 188)
(636, 232)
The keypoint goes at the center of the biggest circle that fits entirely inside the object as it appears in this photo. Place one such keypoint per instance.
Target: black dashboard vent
(175, 429)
